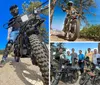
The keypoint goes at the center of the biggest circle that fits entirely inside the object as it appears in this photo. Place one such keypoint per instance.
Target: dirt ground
(77, 83)
(22, 73)
(56, 38)
(59, 36)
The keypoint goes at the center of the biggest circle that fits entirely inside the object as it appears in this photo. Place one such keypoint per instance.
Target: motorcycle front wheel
(73, 31)
(56, 79)
(41, 57)
(74, 78)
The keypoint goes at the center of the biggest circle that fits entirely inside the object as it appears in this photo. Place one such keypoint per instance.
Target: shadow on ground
(26, 75)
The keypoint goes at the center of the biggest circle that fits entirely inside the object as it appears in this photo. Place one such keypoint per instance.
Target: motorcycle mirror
(5, 25)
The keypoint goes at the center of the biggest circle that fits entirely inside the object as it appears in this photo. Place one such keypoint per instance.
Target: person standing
(81, 61)
(59, 54)
(89, 54)
(74, 57)
(69, 57)
(95, 55)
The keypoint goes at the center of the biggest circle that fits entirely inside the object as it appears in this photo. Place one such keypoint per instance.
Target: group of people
(92, 57)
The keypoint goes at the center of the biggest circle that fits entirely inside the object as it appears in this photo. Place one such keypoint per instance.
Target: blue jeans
(81, 65)
(14, 35)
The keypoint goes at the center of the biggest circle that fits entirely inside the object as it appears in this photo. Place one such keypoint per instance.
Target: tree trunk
(52, 5)
(80, 10)
(98, 47)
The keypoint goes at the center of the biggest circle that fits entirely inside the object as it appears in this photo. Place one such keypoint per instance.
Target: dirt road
(77, 83)
(56, 33)
(22, 73)
(56, 38)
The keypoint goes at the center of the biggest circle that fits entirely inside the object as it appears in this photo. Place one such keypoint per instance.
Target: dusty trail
(22, 73)
(58, 36)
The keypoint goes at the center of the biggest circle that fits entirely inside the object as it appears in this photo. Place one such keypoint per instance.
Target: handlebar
(46, 7)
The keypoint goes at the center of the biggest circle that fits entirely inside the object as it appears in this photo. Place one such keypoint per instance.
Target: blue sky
(5, 16)
(59, 16)
(80, 46)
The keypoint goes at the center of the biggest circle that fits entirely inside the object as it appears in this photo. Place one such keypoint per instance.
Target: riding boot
(6, 52)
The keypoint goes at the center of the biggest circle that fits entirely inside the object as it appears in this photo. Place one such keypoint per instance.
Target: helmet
(70, 3)
(14, 10)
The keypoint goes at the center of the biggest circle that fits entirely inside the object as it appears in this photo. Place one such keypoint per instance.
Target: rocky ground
(58, 36)
(22, 73)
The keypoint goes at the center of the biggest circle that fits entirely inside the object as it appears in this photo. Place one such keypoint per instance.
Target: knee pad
(9, 44)
(10, 41)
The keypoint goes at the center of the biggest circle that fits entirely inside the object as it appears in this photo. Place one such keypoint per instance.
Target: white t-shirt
(95, 56)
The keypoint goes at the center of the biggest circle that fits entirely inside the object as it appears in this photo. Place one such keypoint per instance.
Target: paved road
(22, 73)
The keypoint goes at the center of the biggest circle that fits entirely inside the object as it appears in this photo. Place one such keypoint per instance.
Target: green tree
(29, 7)
(91, 32)
(61, 45)
(82, 6)
(52, 6)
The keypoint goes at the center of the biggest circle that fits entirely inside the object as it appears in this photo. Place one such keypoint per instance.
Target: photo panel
(74, 20)
(24, 42)
(75, 63)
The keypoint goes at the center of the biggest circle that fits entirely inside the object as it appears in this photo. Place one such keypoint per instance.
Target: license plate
(24, 18)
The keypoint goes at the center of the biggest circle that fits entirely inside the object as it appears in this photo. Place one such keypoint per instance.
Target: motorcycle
(29, 42)
(66, 73)
(91, 77)
(72, 27)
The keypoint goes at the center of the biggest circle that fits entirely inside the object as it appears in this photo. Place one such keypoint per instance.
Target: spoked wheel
(73, 31)
(82, 79)
(75, 77)
(97, 82)
(56, 79)
(85, 79)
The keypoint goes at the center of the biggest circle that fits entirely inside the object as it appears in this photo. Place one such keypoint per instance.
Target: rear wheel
(41, 57)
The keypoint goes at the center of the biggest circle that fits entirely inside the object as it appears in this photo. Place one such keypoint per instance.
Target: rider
(12, 33)
(89, 67)
(70, 10)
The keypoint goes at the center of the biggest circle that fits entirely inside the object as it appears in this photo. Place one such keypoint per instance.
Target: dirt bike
(72, 27)
(33, 46)
(66, 73)
(91, 77)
